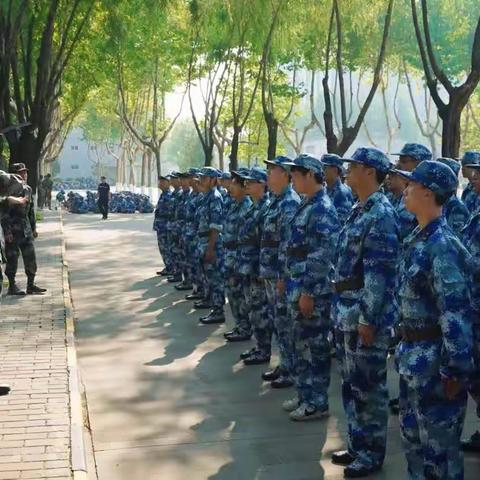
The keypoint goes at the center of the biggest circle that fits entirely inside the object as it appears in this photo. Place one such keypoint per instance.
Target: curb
(77, 442)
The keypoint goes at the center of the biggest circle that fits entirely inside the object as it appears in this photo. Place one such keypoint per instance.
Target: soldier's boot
(257, 358)
(214, 317)
(185, 285)
(4, 390)
(32, 289)
(238, 336)
(13, 289)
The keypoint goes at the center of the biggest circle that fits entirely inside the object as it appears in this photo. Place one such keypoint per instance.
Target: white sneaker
(307, 412)
(290, 405)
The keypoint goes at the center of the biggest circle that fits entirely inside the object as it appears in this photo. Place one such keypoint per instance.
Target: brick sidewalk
(35, 417)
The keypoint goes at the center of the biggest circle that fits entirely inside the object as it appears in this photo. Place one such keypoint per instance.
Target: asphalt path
(168, 398)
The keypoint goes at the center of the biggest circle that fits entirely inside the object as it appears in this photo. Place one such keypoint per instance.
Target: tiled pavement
(34, 418)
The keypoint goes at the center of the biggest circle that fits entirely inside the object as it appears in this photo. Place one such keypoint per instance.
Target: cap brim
(472, 165)
(275, 164)
(403, 173)
(351, 160)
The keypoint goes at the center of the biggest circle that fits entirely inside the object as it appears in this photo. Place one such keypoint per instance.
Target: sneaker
(291, 405)
(306, 412)
(34, 290)
(246, 353)
(14, 290)
(4, 390)
(472, 444)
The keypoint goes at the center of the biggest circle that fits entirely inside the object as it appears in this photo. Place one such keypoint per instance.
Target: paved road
(168, 398)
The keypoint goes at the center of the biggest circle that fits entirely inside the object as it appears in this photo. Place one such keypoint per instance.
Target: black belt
(270, 243)
(230, 245)
(425, 334)
(204, 234)
(353, 283)
(299, 252)
(251, 242)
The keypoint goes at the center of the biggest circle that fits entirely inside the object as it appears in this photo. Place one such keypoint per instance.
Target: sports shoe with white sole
(306, 412)
(291, 405)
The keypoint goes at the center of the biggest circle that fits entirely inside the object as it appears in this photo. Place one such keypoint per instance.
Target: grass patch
(39, 216)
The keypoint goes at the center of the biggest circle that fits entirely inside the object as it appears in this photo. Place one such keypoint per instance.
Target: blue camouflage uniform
(309, 271)
(340, 194)
(248, 266)
(365, 273)
(174, 229)
(406, 220)
(436, 344)
(190, 232)
(210, 217)
(186, 200)
(236, 283)
(471, 239)
(275, 229)
(470, 197)
(454, 210)
(160, 227)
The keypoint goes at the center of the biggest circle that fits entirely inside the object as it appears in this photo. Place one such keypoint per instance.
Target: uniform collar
(371, 200)
(422, 234)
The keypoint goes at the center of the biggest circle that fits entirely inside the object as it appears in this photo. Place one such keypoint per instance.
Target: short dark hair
(441, 200)
(381, 176)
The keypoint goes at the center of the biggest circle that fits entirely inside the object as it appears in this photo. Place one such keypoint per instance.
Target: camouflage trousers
(431, 427)
(281, 325)
(27, 249)
(214, 284)
(255, 296)
(162, 241)
(175, 251)
(235, 287)
(474, 384)
(365, 396)
(311, 354)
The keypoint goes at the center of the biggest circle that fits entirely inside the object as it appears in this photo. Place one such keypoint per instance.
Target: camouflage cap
(279, 161)
(370, 157)
(242, 172)
(226, 176)
(332, 160)
(436, 176)
(309, 162)
(417, 151)
(450, 162)
(257, 174)
(209, 172)
(470, 157)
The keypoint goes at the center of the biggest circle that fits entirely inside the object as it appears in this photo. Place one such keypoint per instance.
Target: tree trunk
(149, 168)
(234, 149)
(208, 152)
(143, 177)
(27, 151)
(272, 128)
(451, 125)
(156, 152)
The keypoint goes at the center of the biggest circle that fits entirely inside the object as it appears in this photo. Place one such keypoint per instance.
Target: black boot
(215, 316)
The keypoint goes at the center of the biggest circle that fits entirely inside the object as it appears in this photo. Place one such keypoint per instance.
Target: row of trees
(246, 69)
